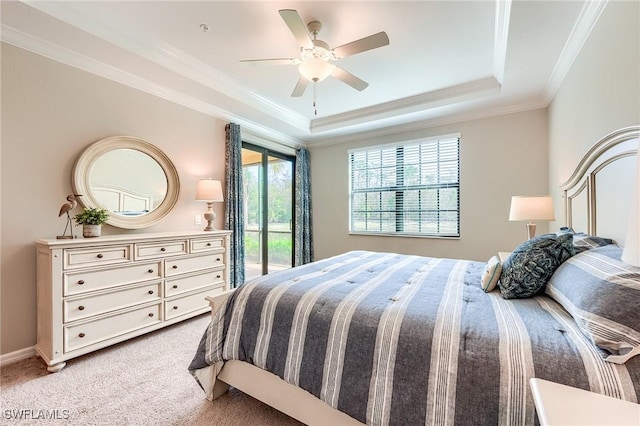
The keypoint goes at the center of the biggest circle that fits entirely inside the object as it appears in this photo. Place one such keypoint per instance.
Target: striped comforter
(408, 340)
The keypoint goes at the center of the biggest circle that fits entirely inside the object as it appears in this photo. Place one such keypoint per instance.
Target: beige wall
(499, 157)
(600, 94)
(50, 112)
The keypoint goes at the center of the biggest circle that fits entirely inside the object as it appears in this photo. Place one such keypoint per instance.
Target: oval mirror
(130, 177)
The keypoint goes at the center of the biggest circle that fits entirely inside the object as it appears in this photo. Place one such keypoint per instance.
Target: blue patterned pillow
(526, 272)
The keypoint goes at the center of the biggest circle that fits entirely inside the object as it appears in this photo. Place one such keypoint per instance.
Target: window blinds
(409, 188)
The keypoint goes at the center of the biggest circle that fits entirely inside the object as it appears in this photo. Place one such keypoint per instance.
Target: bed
(384, 338)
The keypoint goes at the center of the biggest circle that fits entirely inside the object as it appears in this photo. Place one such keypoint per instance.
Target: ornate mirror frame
(82, 185)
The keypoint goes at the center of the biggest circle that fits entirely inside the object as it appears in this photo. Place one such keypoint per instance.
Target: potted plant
(91, 220)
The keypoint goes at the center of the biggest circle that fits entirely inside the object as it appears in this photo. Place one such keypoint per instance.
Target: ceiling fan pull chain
(315, 97)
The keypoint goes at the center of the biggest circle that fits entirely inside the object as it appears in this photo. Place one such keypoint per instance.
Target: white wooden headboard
(597, 196)
(122, 200)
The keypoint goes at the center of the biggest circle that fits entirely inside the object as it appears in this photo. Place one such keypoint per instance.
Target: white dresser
(94, 292)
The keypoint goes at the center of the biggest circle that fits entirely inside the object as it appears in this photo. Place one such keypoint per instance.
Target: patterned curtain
(234, 210)
(303, 237)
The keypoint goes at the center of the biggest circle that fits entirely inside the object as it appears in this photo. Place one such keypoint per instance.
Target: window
(411, 188)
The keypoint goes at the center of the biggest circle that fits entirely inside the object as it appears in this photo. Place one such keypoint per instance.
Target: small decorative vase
(90, 231)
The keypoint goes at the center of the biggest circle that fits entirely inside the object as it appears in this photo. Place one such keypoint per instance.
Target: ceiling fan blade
(372, 42)
(276, 61)
(297, 27)
(350, 79)
(300, 87)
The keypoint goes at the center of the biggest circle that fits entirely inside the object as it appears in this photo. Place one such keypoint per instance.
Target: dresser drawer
(161, 249)
(207, 244)
(101, 303)
(192, 264)
(193, 282)
(187, 304)
(87, 333)
(78, 282)
(96, 256)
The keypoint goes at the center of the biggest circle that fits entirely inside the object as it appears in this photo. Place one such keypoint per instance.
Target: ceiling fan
(316, 56)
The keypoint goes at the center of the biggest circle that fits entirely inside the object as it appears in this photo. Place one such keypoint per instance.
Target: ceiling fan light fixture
(315, 69)
(314, 64)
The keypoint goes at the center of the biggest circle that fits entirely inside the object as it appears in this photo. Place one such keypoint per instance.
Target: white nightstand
(503, 255)
(558, 404)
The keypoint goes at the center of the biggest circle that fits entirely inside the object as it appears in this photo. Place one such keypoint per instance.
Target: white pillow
(491, 274)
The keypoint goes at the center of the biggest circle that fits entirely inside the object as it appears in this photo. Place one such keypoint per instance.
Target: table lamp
(210, 191)
(530, 209)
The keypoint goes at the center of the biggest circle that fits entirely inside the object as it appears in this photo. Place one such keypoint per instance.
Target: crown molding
(385, 114)
(60, 54)
(589, 15)
(185, 65)
(66, 56)
(173, 59)
(47, 49)
(408, 114)
(428, 123)
(501, 36)
(395, 109)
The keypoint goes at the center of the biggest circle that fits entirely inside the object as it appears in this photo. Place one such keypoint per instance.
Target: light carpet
(143, 381)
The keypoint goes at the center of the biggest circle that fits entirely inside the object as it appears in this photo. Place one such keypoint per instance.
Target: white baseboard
(16, 356)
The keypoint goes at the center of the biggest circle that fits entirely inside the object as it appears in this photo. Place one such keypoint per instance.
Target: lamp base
(531, 230)
(210, 216)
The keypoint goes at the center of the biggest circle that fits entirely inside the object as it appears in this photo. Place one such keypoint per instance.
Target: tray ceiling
(446, 61)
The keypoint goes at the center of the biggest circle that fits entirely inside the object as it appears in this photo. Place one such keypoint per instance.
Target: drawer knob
(150, 291)
(163, 249)
(218, 259)
(80, 282)
(175, 266)
(218, 276)
(150, 314)
(175, 286)
(175, 307)
(100, 256)
(150, 271)
(81, 308)
(81, 335)
(208, 244)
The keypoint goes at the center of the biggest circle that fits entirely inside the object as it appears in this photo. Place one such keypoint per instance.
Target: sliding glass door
(268, 197)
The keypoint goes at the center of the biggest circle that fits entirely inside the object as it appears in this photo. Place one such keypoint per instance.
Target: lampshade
(631, 252)
(316, 69)
(209, 190)
(531, 208)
